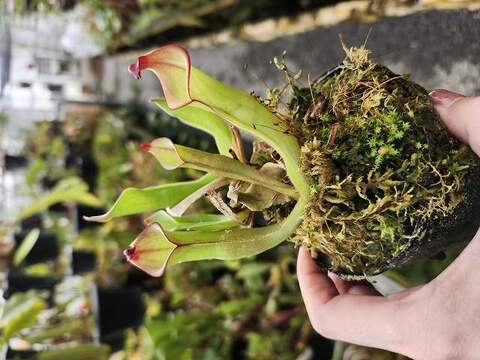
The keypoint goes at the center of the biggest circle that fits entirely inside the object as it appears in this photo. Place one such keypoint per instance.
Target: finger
(314, 283)
(373, 321)
(362, 319)
(461, 115)
(352, 287)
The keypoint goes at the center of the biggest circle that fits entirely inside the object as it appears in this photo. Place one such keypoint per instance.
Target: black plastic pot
(82, 211)
(32, 222)
(21, 354)
(119, 309)
(455, 229)
(147, 283)
(18, 282)
(45, 249)
(83, 261)
(89, 171)
(84, 164)
(48, 183)
(322, 348)
(13, 162)
(58, 208)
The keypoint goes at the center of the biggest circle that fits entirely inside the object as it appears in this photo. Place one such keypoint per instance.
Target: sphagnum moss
(380, 163)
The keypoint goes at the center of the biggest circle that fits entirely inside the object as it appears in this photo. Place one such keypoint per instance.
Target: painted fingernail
(442, 97)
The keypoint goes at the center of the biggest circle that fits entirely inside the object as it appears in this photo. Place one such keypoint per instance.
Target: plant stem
(338, 350)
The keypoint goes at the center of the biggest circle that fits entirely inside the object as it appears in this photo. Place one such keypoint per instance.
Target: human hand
(439, 320)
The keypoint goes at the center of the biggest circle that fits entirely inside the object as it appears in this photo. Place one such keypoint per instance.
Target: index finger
(460, 114)
(361, 319)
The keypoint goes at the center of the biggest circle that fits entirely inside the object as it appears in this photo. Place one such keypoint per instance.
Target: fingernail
(442, 97)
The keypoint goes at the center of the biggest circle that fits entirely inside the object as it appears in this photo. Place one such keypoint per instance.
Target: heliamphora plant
(355, 168)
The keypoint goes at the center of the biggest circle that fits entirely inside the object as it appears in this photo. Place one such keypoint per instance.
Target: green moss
(380, 163)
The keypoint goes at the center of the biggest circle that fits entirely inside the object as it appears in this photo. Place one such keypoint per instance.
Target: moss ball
(383, 169)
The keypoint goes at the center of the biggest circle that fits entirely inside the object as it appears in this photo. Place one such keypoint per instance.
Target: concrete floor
(438, 49)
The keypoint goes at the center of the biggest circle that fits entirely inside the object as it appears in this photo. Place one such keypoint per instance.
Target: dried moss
(380, 163)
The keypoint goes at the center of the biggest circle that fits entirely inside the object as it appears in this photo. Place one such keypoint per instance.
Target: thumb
(460, 114)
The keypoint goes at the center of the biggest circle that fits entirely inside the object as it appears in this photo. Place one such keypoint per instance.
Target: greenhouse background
(71, 122)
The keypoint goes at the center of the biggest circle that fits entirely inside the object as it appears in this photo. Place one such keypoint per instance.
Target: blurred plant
(20, 312)
(25, 247)
(105, 19)
(226, 310)
(64, 323)
(119, 166)
(76, 352)
(46, 152)
(69, 189)
(3, 122)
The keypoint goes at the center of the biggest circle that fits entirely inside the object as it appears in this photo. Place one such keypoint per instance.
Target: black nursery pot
(21, 354)
(13, 162)
(147, 283)
(84, 163)
(82, 211)
(455, 229)
(48, 183)
(118, 309)
(45, 249)
(83, 261)
(32, 222)
(18, 282)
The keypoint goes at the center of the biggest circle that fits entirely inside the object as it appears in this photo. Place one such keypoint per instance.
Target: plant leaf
(155, 248)
(134, 201)
(172, 156)
(186, 86)
(151, 250)
(27, 244)
(203, 222)
(70, 189)
(255, 197)
(203, 120)
(183, 85)
(59, 330)
(20, 312)
(183, 205)
(76, 352)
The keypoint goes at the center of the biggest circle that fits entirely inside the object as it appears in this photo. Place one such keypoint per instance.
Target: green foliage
(3, 122)
(204, 222)
(379, 166)
(203, 120)
(27, 244)
(46, 152)
(35, 170)
(62, 329)
(20, 312)
(70, 189)
(115, 149)
(76, 352)
(181, 335)
(205, 103)
(134, 201)
(105, 22)
(218, 310)
(261, 347)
